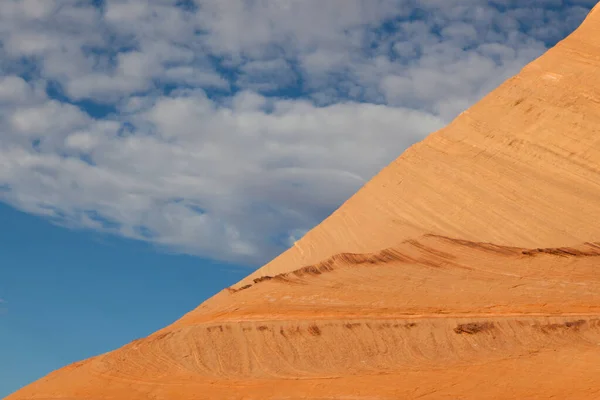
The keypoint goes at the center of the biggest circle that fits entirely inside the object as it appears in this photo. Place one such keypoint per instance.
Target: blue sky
(139, 140)
(71, 295)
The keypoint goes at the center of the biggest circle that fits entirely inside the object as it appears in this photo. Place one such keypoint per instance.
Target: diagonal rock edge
(525, 125)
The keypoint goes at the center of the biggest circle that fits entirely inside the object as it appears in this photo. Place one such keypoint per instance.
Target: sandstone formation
(469, 268)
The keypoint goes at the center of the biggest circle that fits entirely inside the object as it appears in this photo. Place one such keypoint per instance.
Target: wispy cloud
(227, 129)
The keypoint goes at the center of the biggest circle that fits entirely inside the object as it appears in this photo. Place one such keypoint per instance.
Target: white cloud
(47, 120)
(266, 76)
(14, 90)
(230, 128)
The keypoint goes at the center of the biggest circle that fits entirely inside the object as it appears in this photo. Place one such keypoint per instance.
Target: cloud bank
(228, 129)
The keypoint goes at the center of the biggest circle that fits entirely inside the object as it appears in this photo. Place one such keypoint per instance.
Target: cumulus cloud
(228, 129)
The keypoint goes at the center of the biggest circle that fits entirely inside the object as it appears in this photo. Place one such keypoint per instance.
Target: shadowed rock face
(469, 268)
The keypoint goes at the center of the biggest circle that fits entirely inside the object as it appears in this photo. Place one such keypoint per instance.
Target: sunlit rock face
(468, 268)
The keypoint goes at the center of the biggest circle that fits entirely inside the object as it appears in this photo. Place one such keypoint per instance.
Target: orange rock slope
(467, 269)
